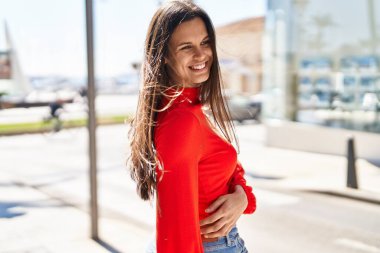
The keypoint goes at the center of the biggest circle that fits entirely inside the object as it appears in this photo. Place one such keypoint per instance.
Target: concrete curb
(354, 194)
(359, 195)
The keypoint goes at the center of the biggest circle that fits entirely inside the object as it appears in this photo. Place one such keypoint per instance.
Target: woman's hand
(227, 210)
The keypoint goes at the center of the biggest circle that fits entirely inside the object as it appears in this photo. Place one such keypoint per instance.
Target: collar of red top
(189, 95)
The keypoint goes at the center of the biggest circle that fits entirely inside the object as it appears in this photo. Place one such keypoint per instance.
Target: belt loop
(228, 240)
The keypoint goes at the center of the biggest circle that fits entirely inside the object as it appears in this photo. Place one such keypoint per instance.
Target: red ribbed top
(199, 166)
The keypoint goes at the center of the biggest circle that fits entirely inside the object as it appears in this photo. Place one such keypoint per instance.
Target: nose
(199, 53)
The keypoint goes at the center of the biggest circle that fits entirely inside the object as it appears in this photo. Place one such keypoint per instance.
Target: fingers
(213, 227)
(223, 231)
(211, 219)
(220, 222)
(215, 216)
(216, 204)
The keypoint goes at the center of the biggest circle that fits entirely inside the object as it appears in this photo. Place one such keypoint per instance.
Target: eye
(185, 47)
(205, 42)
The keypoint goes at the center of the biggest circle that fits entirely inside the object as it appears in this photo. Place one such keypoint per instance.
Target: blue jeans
(232, 243)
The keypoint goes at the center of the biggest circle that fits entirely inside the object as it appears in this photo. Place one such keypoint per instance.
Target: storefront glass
(322, 62)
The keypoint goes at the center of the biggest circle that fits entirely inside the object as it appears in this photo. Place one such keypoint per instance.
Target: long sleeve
(179, 147)
(238, 179)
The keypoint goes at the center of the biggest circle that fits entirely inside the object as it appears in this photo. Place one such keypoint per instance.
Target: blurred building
(321, 75)
(239, 52)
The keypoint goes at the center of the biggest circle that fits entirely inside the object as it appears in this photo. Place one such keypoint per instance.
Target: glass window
(331, 61)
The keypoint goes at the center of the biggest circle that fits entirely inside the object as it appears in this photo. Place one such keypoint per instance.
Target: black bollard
(352, 181)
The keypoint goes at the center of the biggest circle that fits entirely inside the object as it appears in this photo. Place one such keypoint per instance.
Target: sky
(49, 35)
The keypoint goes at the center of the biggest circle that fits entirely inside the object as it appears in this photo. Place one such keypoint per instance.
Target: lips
(198, 66)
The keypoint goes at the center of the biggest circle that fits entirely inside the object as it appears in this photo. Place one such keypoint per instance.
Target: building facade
(239, 52)
(321, 74)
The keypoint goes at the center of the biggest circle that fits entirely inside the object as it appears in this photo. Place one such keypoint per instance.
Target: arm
(179, 146)
(238, 179)
(227, 209)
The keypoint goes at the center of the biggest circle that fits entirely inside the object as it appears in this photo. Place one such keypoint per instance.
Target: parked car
(243, 108)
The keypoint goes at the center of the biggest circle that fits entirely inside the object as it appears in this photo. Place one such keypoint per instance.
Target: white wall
(305, 137)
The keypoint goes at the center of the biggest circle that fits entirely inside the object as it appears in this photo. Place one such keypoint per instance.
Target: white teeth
(201, 66)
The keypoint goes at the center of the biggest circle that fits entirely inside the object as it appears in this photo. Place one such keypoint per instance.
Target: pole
(372, 25)
(352, 181)
(91, 120)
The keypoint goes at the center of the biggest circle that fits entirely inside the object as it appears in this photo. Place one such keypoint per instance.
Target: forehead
(188, 31)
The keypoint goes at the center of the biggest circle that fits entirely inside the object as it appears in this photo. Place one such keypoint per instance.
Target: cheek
(209, 54)
(178, 67)
(179, 62)
(175, 65)
(181, 66)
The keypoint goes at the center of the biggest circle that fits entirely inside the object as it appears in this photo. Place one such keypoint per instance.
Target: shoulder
(180, 126)
(179, 132)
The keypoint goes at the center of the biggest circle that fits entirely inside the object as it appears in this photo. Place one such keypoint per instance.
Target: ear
(165, 60)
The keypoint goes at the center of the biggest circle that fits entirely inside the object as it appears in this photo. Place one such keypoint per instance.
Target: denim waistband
(223, 243)
(228, 240)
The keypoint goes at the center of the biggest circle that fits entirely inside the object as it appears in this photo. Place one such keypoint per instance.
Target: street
(305, 222)
(287, 219)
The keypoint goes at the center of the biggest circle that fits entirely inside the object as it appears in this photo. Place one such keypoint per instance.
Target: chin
(198, 81)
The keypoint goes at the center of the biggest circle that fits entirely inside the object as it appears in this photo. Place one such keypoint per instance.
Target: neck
(191, 85)
(178, 84)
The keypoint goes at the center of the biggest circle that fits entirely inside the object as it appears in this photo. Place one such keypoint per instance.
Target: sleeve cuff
(251, 206)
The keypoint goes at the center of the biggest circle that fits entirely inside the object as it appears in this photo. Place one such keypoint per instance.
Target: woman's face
(189, 56)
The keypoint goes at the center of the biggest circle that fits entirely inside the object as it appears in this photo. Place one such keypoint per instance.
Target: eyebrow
(189, 43)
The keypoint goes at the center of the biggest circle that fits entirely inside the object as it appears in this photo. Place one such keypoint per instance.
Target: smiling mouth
(198, 67)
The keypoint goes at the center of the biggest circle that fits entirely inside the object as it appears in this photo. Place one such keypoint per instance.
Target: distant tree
(321, 23)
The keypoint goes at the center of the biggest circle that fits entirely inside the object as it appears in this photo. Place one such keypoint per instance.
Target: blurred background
(302, 81)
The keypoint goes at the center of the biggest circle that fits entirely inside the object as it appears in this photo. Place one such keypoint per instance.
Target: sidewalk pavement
(323, 173)
(33, 221)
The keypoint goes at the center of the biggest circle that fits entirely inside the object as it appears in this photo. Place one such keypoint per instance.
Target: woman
(177, 152)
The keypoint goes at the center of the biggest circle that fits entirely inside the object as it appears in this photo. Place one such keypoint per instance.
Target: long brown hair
(143, 159)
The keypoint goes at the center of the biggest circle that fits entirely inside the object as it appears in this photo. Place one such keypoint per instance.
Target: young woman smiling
(177, 152)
